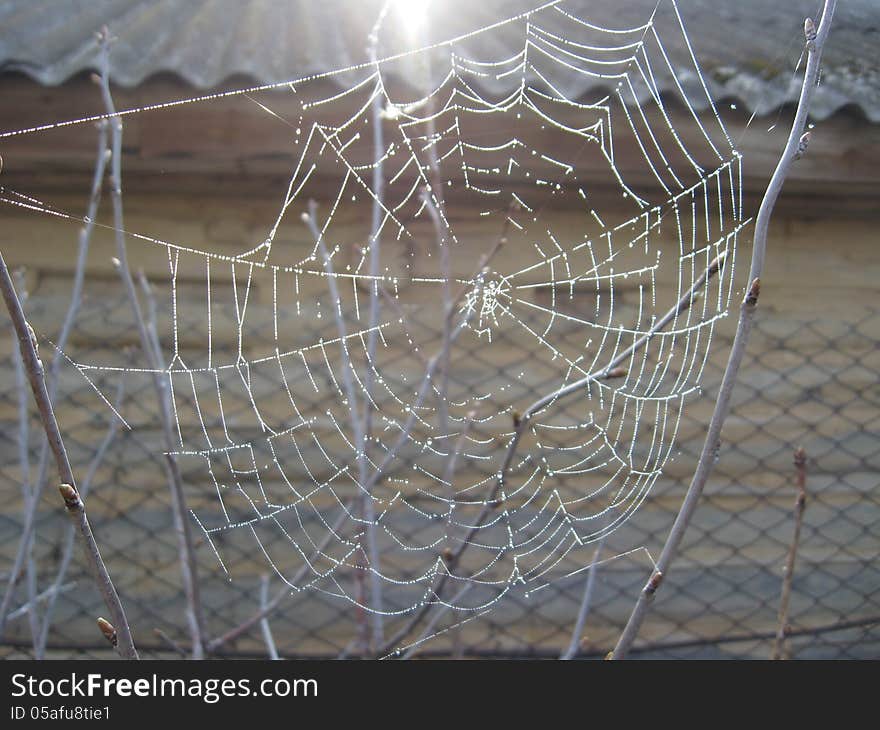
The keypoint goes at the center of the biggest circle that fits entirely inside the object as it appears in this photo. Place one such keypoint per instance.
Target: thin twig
(430, 200)
(46, 595)
(188, 565)
(75, 508)
(377, 215)
(85, 234)
(793, 148)
(28, 488)
(374, 629)
(448, 478)
(574, 645)
(172, 644)
(800, 505)
(446, 275)
(429, 627)
(264, 622)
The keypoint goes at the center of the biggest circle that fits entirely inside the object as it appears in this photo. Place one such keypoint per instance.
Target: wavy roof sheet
(747, 49)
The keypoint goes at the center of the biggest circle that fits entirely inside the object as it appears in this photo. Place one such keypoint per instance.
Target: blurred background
(210, 175)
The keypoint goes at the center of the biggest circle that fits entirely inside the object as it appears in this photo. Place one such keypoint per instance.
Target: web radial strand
(478, 155)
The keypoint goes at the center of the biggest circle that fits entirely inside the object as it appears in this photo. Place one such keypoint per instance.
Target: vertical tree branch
(28, 488)
(74, 504)
(574, 645)
(446, 336)
(264, 622)
(188, 565)
(446, 555)
(800, 505)
(367, 513)
(794, 148)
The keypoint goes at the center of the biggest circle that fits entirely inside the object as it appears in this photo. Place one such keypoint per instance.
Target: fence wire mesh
(803, 384)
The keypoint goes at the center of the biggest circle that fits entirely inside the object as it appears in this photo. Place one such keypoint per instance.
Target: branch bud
(802, 145)
(753, 293)
(33, 337)
(654, 583)
(108, 631)
(809, 31)
(71, 497)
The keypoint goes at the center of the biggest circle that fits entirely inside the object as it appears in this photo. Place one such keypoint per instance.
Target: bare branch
(372, 339)
(429, 627)
(172, 644)
(800, 505)
(448, 477)
(188, 565)
(737, 350)
(46, 595)
(366, 500)
(446, 275)
(574, 645)
(264, 622)
(28, 488)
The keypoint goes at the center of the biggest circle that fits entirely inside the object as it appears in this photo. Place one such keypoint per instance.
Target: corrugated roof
(747, 49)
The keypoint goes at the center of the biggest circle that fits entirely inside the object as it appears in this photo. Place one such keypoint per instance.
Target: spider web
(361, 463)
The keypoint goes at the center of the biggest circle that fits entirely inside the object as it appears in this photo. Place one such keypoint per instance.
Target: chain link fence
(810, 384)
